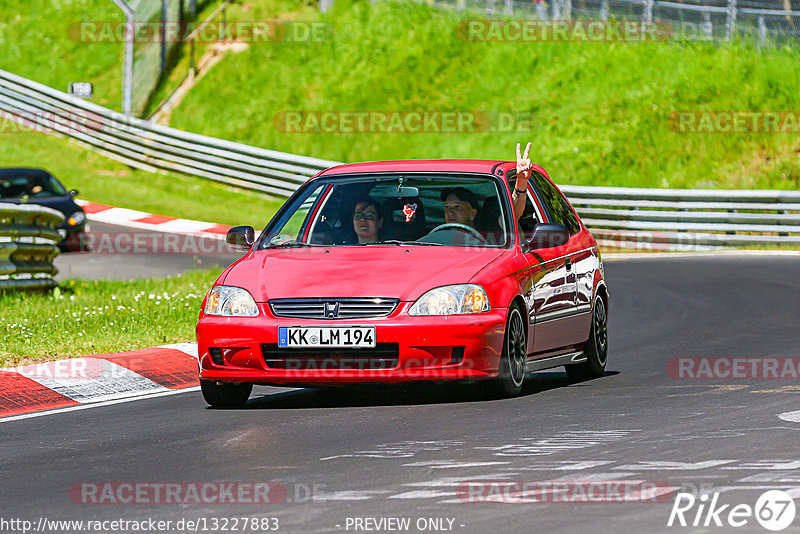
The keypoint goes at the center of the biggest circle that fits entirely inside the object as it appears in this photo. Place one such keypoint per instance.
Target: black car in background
(36, 186)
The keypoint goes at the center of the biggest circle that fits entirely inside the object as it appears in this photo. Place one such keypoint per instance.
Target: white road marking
(673, 466)
(404, 449)
(115, 382)
(350, 495)
(793, 417)
(565, 441)
(452, 464)
(424, 494)
(564, 465)
(97, 404)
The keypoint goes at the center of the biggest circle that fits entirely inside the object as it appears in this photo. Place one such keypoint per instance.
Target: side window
(557, 206)
(531, 216)
(529, 219)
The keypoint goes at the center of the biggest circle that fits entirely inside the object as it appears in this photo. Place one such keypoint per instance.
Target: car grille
(333, 308)
(383, 356)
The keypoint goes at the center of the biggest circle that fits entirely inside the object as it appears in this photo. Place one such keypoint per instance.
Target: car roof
(12, 171)
(484, 166)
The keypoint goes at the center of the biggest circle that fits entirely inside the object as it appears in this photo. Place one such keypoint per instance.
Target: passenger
(461, 205)
(367, 220)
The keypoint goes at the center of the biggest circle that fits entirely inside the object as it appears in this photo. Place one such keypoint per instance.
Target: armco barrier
(28, 244)
(668, 219)
(687, 219)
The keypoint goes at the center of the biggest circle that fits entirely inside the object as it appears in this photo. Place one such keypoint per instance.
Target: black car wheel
(596, 348)
(512, 362)
(223, 395)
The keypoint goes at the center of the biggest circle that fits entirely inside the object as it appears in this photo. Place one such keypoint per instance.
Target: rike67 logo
(774, 510)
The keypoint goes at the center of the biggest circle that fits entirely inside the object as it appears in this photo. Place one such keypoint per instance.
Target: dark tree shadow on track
(417, 393)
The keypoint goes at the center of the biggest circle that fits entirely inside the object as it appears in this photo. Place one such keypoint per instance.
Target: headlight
(76, 218)
(230, 302)
(451, 300)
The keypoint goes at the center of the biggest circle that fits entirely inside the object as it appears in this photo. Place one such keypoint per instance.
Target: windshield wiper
(402, 243)
(293, 244)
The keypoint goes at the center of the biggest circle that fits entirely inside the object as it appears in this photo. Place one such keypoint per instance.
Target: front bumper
(456, 347)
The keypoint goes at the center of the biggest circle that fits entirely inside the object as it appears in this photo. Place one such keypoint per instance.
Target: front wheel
(596, 349)
(223, 395)
(512, 362)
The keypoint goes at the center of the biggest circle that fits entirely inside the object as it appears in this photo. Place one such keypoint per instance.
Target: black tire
(511, 377)
(595, 349)
(222, 395)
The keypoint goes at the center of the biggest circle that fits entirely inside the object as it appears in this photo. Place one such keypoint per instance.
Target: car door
(553, 276)
(550, 285)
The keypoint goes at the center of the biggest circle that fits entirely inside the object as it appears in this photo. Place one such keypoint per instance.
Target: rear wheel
(225, 395)
(596, 349)
(512, 362)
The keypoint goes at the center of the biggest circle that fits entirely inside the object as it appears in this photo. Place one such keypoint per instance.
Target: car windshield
(418, 210)
(20, 185)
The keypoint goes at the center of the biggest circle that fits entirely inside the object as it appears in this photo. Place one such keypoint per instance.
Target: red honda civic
(407, 270)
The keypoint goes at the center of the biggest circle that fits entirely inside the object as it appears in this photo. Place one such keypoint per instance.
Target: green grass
(95, 317)
(36, 43)
(600, 111)
(101, 179)
(41, 40)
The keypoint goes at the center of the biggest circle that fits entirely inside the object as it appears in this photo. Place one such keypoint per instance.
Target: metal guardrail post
(508, 8)
(604, 11)
(708, 27)
(762, 31)
(730, 21)
(648, 11)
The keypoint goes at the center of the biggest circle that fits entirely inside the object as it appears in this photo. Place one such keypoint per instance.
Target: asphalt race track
(120, 262)
(406, 452)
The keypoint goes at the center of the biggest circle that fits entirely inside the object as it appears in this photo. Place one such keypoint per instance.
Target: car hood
(372, 271)
(63, 204)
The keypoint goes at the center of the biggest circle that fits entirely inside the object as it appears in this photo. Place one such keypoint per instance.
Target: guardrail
(153, 147)
(687, 219)
(667, 219)
(28, 243)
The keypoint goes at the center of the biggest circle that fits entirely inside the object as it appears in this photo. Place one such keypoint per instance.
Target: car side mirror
(547, 235)
(241, 237)
(73, 193)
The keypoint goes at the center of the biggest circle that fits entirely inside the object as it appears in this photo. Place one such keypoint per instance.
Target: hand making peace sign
(524, 171)
(524, 168)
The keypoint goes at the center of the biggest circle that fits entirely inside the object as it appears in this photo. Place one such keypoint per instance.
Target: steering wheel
(337, 236)
(458, 226)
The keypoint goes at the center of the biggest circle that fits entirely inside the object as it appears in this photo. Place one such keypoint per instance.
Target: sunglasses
(367, 216)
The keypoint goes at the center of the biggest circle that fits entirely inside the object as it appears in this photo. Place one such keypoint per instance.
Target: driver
(460, 206)
(367, 220)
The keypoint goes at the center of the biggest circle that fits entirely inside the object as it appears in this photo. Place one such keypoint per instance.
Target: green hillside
(597, 113)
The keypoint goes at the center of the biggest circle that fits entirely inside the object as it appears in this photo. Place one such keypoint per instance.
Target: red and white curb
(148, 221)
(76, 383)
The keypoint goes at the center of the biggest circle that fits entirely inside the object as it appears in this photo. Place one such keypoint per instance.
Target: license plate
(326, 336)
